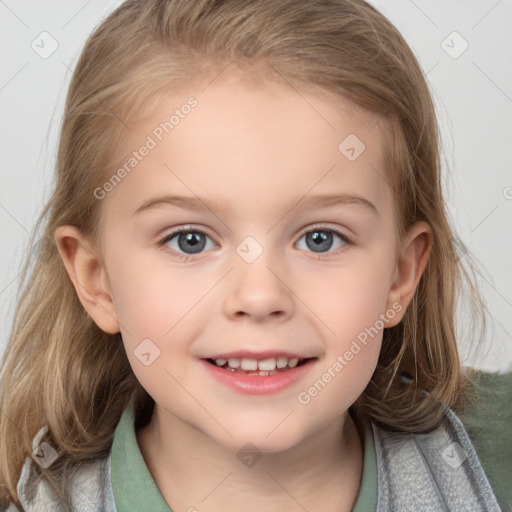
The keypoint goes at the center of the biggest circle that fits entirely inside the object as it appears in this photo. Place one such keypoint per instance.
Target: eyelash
(190, 229)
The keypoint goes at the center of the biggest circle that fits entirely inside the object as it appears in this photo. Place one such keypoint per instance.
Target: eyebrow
(194, 203)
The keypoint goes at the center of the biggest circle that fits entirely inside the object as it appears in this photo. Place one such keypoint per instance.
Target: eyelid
(309, 229)
(312, 228)
(182, 229)
(325, 227)
(325, 256)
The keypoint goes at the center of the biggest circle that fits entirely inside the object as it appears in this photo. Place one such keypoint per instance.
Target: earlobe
(409, 267)
(88, 277)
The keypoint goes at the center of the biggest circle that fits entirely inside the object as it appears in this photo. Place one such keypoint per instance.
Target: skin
(254, 150)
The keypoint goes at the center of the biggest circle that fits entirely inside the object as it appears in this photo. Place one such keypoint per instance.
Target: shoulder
(433, 471)
(88, 487)
(487, 419)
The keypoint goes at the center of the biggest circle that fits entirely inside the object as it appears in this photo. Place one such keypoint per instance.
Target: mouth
(259, 374)
(263, 367)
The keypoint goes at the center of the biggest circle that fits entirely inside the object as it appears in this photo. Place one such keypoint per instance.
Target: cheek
(352, 307)
(351, 310)
(160, 312)
(155, 326)
(339, 381)
(350, 300)
(150, 297)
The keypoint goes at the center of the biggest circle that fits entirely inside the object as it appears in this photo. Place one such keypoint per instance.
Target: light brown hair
(61, 370)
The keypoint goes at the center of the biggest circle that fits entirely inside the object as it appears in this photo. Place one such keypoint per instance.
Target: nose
(257, 291)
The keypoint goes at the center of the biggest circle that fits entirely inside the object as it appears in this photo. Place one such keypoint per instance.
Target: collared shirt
(436, 471)
(135, 489)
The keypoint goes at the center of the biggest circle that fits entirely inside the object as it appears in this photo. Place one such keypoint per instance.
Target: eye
(322, 240)
(188, 241)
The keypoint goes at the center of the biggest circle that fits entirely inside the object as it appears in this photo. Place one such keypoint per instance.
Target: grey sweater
(433, 472)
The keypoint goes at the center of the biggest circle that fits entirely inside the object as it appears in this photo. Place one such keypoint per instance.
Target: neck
(322, 473)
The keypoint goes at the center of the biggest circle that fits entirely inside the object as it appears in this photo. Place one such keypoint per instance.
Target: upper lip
(267, 354)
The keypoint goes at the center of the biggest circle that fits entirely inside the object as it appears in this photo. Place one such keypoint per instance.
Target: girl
(301, 353)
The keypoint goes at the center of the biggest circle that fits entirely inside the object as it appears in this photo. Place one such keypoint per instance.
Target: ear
(411, 263)
(88, 276)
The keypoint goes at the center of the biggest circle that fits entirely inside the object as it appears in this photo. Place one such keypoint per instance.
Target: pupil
(196, 242)
(322, 240)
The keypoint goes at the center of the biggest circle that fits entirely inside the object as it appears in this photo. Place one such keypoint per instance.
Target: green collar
(367, 498)
(134, 487)
(132, 483)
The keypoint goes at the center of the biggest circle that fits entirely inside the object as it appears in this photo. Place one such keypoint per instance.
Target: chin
(264, 436)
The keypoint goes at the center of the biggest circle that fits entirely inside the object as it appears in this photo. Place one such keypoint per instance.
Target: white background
(473, 95)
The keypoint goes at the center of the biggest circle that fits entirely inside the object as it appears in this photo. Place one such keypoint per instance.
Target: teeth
(263, 366)
(249, 364)
(267, 364)
(234, 362)
(282, 362)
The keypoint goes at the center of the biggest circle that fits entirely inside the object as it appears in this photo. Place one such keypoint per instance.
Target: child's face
(254, 282)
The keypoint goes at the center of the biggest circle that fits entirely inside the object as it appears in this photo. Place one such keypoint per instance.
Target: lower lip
(259, 384)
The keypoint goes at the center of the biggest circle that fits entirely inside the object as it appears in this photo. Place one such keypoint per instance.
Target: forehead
(253, 142)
